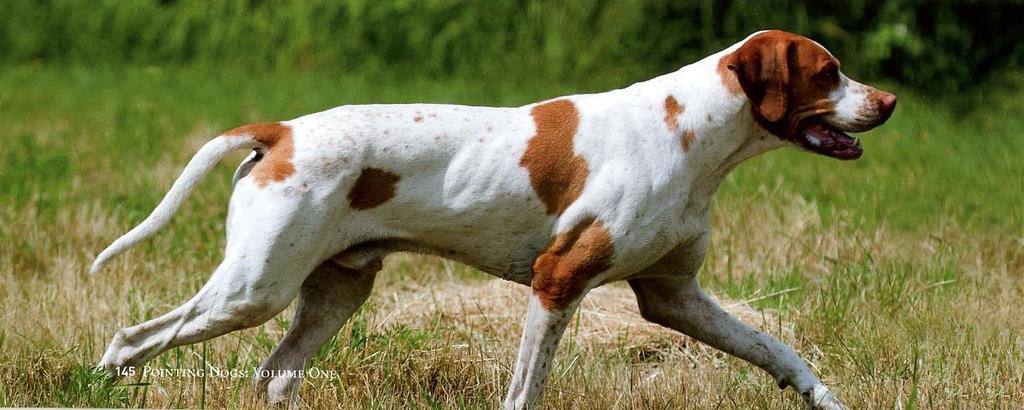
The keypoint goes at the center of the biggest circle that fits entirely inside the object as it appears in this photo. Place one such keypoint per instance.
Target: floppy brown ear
(762, 67)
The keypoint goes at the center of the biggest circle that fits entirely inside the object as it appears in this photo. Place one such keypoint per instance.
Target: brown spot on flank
(373, 188)
(276, 164)
(557, 174)
(711, 118)
(568, 264)
(672, 110)
(417, 118)
(687, 139)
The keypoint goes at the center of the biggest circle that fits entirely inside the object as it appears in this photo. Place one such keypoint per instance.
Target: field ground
(900, 276)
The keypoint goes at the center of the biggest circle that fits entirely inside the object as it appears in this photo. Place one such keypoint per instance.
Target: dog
(562, 195)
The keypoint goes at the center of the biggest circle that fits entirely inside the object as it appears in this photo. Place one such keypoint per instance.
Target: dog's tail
(209, 155)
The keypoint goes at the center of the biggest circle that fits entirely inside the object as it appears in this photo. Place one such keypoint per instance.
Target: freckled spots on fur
(557, 174)
(570, 262)
(687, 139)
(873, 104)
(276, 164)
(672, 111)
(373, 188)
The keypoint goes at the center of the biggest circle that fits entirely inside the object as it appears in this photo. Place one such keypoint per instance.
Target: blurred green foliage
(932, 45)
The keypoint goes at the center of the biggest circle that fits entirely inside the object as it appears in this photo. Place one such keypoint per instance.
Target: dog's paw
(821, 398)
(278, 388)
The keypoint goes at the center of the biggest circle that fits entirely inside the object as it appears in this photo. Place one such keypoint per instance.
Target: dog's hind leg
(231, 300)
(329, 296)
(679, 303)
(266, 260)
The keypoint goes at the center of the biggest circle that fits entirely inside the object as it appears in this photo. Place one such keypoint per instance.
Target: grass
(899, 277)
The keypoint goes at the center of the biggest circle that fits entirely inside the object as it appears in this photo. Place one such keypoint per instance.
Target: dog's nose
(889, 101)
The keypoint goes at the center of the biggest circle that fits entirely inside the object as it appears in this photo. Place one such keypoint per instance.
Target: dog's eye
(828, 74)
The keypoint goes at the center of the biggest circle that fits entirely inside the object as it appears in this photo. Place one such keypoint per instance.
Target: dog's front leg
(541, 333)
(679, 303)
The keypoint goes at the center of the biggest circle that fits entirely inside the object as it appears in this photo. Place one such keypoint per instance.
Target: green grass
(934, 161)
(900, 275)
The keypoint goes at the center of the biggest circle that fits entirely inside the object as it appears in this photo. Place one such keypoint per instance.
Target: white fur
(204, 160)
(464, 195)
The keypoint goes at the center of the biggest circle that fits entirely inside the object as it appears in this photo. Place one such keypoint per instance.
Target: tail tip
(97, 265)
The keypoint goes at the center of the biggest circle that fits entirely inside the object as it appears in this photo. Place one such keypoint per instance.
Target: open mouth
(826, 140)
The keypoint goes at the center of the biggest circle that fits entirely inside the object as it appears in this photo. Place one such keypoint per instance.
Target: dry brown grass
(884, 318)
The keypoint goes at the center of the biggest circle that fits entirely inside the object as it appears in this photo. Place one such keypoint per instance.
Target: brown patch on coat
(711, 118)
(373, 188)
(557, 174)
(276, 164)
(568, 264)
(417, 118)
(728, 77)
(672, 111)
(687, 139)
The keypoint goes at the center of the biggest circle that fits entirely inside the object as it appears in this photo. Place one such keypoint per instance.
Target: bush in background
(927, 44)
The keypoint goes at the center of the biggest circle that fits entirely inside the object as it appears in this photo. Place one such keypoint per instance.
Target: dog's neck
(726, 133)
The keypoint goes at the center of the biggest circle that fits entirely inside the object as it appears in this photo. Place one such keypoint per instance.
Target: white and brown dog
(563, 196)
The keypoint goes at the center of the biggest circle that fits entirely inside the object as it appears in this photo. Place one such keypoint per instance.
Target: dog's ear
(762, 66)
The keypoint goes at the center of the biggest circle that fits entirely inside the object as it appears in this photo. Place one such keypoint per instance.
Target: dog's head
(798, 93)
